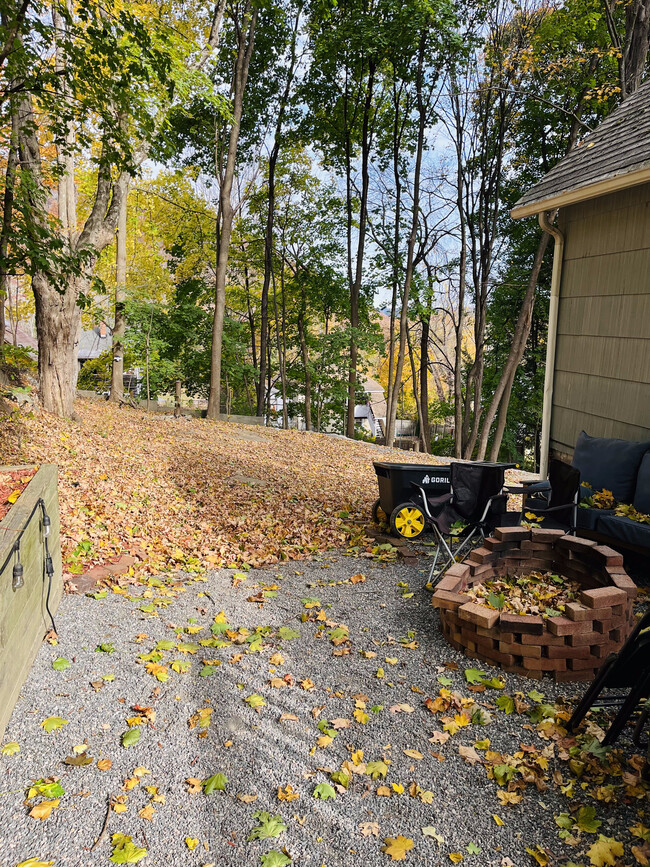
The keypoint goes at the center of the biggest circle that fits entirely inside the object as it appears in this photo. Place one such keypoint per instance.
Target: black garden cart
(395, 492)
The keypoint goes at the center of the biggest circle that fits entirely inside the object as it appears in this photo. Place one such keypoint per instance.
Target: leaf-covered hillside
(188, 492)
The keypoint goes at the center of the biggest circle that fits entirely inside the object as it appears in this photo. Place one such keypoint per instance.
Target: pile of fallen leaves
(192, 494)
(539, 593)
(12, 484)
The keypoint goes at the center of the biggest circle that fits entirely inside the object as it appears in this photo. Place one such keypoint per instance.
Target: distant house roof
(93, 342)
(616, 155)
(23, 337)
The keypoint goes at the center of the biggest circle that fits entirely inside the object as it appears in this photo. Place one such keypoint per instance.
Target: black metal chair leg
(629, 706)
(589, 698)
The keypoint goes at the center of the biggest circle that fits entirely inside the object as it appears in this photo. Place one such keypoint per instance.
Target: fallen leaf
(368, 829)
(247, 799)
(397, 847)
(191, 843)
(52, 723)
(147, 813)
(604, 851)
(287, 794)
(44, 809)
(430, 831)
(288, 717)
(413, 754)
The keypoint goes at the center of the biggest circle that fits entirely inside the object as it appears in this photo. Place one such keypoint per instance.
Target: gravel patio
(397, 660)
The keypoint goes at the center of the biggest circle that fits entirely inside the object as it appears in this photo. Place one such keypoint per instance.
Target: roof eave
(581, 194)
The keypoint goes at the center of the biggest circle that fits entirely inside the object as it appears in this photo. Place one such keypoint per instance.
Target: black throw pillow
(642, 494)
(610, 464)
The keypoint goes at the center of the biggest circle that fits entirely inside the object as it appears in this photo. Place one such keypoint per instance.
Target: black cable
(48, 566)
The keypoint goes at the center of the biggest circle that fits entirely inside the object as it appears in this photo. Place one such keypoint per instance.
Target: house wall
(602, 361)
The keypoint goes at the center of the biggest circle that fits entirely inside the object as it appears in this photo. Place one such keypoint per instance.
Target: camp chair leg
(443, 552)
(594, 690)
(626, 711)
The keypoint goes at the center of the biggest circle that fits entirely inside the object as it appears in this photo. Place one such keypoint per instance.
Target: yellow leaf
(277, 682)
(277, 659)
(147, 813)
(44, 809)
(288, 717)
(391, 660)
(384, 792)
(221, 617)
(130, 783)
(397, 847)
(104, 764)
(324, 741)
(498, 819)
(398, 788)
(191, 843)
(287, 794)
(357, 757)
(455, 857)
(380, 673)
(247, 799)
(360, 716)
(13, 496)
(508, 797)
(307, 683)
(604, 851)
(540, 855)
(35, 862)
(413, 754)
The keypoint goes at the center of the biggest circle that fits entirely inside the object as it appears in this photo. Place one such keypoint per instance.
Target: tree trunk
(410, 256)
(244, 52)
(305, 360)
(517, 348)
(459, 326)
(119, 328)
(7, 216)
(270, 216)
(355, 289)
(425, 431)
(58, 325)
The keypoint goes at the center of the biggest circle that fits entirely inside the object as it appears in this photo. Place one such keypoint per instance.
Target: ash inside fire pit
(580, 618)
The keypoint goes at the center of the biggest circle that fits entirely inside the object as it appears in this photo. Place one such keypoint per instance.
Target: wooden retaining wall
(23, 616)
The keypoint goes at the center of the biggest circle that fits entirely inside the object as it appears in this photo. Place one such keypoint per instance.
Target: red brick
(567, 652)
(512, 534)
(547, 664)
(447, 600)
(493, 544)
(601, 651)
(522, 623)
(587, 638)
(603, 597)
(482, 555)
(575, 543)
(560, 626)
(543, 640)
(451, 583)
(575, 611)
(530, 651)
(458, 570)
(480, 571)
(609, 555)
(478, 614)
(542, 535)
(580, 664)
(605, 626)
(498, 657)
(624, 582)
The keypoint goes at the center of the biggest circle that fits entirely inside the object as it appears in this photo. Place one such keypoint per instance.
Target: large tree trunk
(270, 216)
(425, 431)
(355, 289)
(410, 256)
(119, 328)
(244, 52)
(7, 216)
(58, 325)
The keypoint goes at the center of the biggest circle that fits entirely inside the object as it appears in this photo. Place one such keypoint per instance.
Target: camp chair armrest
(531, 488)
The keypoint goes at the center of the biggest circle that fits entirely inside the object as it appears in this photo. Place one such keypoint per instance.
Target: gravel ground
(258, 752)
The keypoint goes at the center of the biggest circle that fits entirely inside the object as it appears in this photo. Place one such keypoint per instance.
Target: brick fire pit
(570, 647)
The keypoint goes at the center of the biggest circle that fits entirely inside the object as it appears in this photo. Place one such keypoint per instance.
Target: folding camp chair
(555, 500)
(476, 503)
(627, 671)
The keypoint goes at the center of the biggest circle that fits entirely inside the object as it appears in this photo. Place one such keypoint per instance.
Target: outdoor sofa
(622, 468)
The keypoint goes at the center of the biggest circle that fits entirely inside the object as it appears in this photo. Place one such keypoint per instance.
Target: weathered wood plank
(23, 617)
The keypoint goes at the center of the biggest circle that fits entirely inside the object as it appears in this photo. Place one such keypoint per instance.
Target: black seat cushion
(609, 464)
(641, 500)
(624, 530)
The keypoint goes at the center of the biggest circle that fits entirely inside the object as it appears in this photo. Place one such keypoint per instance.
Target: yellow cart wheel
(407, 521)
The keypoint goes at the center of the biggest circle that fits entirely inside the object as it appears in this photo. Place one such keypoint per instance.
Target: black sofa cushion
(641, 500)
(624, 530)
(610, 464)
(588, 517)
